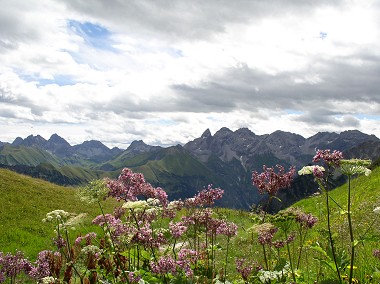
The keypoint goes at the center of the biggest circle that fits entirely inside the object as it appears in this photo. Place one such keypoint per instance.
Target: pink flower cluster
(228, 229)
(306, 220)
(328, 157)
(177, 229)
(265, 236)
(133, 277)
(166, 264)
(146, 237)
(376, 253)
(246, 268)
(88, 238)
(270, 182)
(206, 197)
(12, 265)
(129, 186)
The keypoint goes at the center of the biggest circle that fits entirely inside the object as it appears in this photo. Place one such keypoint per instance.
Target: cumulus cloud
(164, 71)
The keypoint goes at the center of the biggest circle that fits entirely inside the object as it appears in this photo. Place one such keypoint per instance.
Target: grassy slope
(24, 203)
(31, 156)
(364, 196)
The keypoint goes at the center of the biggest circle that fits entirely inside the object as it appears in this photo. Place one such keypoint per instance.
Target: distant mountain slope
(225, 159)
(23, 155)
(252, 150)
(82, 154)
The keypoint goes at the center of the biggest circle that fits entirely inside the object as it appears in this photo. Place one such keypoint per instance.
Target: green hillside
(365, 197)
(25, 202)
(30, 156)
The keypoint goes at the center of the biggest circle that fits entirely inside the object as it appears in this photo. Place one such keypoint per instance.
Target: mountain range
(225, 159)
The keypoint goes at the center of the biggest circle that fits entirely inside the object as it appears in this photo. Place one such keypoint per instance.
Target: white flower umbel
(355, 167)
(309, 170)
(139, 204)
(55, 215)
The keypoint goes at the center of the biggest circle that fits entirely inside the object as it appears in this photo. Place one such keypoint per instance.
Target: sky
(164, 71)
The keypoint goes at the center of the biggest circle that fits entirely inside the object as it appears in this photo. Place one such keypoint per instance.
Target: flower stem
(351, 230)
(290, 259)
(331, 238)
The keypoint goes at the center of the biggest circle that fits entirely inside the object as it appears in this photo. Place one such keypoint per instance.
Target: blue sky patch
(61, 80)
(94, 35)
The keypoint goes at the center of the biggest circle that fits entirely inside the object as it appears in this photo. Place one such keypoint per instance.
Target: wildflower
(376, 253)
(308, 170)
(59, 242)
(208, 196)
(139, 204)
(228, 229)
(73, 221)
(42, 268)
(133, 277)
(246, 268)
(355, 166)
(12, 265)
(48, 280)
(266, 233)
(91, 249)
(130, 185)
(376, 210)
(166, 264)
(56, 215)
(307, 220)
(332, 159)
(95, 191)
(88, 237)
(270, 182)
(177, 229)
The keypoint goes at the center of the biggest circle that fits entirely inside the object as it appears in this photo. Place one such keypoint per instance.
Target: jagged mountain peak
(356, 134)
(56, 139)
(137, 144)
(32, 140)
(223, 131)
(17, 142)
(206, 134)
(244, 132)
(92, 144)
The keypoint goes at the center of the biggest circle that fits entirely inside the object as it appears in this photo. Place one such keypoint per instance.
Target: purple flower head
(208, 196)
(266, 232)
(306, 220)
(129, 186)
(317, 172)
(177, 229)
(246, 268)
(59, 242)
(88, 237)
(376, 253)
(42, 268)
(133, 278)
(329, 158)
(270, 182)
(166, 264)
(12, 265)
(228, 229)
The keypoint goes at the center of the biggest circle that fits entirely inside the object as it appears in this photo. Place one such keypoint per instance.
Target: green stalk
(112, 243)
(351, 230)
(290, 259)
(225, 265)
(329, 229)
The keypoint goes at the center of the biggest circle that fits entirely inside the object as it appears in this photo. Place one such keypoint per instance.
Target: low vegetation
(143, 238)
